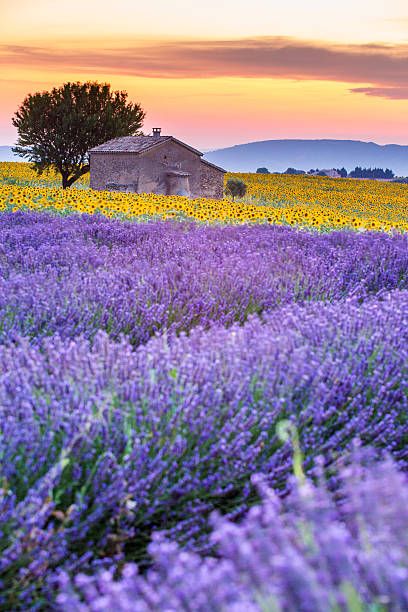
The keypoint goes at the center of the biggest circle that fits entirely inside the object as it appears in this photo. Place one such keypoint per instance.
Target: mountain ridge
(304, 154)
(301, 153)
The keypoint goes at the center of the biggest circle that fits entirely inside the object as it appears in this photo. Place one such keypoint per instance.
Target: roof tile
(130, 144)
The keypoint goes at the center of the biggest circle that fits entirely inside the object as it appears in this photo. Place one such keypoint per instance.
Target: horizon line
(388, 144)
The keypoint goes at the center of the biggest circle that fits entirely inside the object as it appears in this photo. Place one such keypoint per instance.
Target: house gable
(156, 164)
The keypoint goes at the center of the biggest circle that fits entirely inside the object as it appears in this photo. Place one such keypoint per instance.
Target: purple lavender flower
(143, 372)
(79, 275)
(303, 553)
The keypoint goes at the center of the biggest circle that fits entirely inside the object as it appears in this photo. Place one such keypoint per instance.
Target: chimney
(156, 132)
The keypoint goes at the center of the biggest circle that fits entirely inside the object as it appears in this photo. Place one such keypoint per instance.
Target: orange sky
(224, 71)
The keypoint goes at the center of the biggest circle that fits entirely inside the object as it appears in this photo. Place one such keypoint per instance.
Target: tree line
(377, 173)
(358, 172)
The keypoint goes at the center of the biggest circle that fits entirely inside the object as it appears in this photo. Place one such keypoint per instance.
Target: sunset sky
(220, 72)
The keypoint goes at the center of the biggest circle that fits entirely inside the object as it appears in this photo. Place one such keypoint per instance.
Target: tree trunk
(80, 172)
(65, 182)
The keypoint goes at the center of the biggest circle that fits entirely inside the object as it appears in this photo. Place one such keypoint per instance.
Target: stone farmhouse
(154, 164)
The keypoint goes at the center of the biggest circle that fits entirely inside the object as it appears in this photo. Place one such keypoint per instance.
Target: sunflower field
(299, 201)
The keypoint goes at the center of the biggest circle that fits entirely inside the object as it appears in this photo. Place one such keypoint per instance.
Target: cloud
(391, 93)
(383, 69)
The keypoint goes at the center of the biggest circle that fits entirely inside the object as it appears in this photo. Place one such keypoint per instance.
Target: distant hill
(278, 155)
(6, 154)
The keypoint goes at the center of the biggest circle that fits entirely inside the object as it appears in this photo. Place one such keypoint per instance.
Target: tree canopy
(294, 171)
(342, 171)
(235, 188)
(360, 172)
(57, 128)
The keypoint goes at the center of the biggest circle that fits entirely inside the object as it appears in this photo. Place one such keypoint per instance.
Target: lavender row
(102, 444)
(306, 553)
(78, 275)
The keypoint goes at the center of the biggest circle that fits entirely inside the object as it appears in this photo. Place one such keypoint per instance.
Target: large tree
(57, 128)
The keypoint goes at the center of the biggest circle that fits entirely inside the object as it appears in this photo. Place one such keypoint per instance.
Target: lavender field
(202, 418)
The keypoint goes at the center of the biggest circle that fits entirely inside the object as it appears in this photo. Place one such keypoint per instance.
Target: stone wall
(212, 182)
(148, 172)
(113, 169)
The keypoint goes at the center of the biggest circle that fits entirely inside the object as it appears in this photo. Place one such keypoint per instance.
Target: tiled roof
(136, 144)
(129, 144)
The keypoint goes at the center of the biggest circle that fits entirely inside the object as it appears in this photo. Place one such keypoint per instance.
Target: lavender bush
(144, 369)
(102, 445)
(306, 554)
(76, 276)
